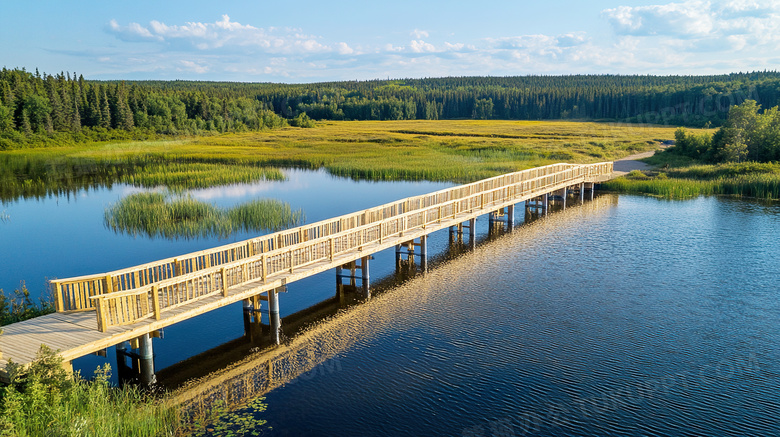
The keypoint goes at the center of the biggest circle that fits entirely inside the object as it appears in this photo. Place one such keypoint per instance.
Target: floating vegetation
(223, 422)
(170, 215)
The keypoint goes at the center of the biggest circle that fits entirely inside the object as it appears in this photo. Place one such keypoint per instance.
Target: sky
(303, 41)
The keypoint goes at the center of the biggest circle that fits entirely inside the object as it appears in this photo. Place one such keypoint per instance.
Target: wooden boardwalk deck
(122, 309)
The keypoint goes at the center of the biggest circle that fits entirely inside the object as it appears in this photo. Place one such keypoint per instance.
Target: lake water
(627, 316)
(622, 316)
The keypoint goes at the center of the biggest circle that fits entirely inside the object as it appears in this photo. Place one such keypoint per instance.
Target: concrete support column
(424, 253)
(545, 202)
(353, 274)
(582, 192)
(146, 358)
(564, 196)
(273, 316)
(592, 189)
(473, 233)
(364, 263)
(510, 217)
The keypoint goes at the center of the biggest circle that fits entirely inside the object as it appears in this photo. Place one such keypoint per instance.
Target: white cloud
(691, 18)
(344, 49)
(677, 37)
(193, 66)
(420, 46)
(222, 34)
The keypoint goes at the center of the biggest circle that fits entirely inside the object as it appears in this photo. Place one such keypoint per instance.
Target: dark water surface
(625, 316)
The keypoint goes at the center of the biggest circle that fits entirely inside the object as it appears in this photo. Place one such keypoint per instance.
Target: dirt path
(625, 165)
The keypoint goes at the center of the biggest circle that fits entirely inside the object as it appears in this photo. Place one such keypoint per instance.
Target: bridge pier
(146, 360)
(582, 192)
(364, 275)
(252, 316)
(141, 354)
(411, 253)
(456, 233)
(472, 233)
(273, 316)
(508, 214)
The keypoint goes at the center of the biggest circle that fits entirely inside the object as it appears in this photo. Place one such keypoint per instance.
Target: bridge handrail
(129, 306)
(76, 293)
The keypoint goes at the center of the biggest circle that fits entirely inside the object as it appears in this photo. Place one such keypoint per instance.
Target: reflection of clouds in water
(294, 182)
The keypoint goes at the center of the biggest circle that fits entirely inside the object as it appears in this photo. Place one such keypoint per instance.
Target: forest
(41, 109)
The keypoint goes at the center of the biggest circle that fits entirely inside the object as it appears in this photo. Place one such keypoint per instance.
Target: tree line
(65, 105)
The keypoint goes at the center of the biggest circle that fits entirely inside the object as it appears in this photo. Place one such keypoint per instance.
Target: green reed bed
(170, 215)
(44, 400)
(755, 180)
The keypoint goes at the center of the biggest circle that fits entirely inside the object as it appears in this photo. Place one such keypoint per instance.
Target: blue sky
(312, 41)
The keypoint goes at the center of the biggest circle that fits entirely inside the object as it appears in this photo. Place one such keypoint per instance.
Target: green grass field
(458, 151)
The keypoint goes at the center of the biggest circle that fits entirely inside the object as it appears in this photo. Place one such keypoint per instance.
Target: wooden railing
(119, 290)
(150, 300)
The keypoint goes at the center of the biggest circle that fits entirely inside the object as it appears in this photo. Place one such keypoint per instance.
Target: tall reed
(170, 215)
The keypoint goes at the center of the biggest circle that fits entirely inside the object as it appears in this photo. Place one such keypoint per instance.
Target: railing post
(156, 302)
(101, 314)
(109, 284)
(223, 272)
(60, 301)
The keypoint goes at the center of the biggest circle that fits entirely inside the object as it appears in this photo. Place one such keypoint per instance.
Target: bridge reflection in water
(234, 374)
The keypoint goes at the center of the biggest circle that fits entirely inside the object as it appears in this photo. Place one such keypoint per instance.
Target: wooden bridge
(98, 311)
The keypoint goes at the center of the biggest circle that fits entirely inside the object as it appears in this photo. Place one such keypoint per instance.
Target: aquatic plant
(170, 215)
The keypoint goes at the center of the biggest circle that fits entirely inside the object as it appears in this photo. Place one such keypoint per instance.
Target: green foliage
(747, 134)
(169, 215)
(20, 306)
(43, 399)
(302, 120)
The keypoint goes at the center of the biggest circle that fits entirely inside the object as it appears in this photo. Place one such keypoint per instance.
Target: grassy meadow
(448, 150)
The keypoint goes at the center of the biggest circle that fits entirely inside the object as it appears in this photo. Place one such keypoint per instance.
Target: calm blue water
(623, 316)
(627, 316)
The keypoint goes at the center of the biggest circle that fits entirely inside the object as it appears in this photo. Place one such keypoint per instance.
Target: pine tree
(105, 111)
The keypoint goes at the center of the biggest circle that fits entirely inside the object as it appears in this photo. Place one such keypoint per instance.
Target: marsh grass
(446, 150)
(44, 400)
(171, 215)
(750, 179)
